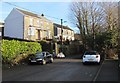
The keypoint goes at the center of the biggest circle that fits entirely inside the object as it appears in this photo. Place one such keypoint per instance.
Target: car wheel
(43, 62)
(51, 60)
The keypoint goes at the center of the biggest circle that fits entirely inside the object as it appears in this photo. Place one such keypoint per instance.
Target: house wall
(38, 24)
(48, 28)
(59, 31)
(14, 25)
(67, 34)
(27, 25)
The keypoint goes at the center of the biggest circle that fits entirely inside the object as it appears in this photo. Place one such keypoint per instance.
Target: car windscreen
(39, 55)
(90, 53)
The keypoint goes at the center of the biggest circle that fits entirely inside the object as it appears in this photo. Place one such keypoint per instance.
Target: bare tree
(78, 17)
(111, 14)
(88, 18)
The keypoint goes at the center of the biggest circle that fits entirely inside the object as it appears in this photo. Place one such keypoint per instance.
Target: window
(47, 23)
(31, 21)
(31, 31)
(59, 30)
(90, 53)
(48, 34)
(47, 27)
(38, 22)
(47, 53)
(41, 24)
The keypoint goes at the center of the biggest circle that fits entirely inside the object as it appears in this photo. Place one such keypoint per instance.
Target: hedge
(12, 49)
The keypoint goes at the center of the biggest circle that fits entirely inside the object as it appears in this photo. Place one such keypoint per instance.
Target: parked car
(41, 57)
(60, 55)
(91, 56)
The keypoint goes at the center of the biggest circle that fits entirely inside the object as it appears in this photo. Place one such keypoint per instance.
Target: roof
(64, 27)
(31, 14)
(27, 13)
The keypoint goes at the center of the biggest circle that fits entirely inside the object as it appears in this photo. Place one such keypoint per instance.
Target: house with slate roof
(68, 34)
(26, 25)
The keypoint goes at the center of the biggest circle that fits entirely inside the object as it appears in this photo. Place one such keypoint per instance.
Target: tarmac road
(69, 69)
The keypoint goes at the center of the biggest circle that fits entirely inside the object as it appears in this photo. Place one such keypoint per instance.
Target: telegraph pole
(93, 36)
(61, 35)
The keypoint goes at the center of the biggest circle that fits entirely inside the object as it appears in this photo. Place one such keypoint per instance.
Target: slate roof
(64, 27)
(31, 14)
(27, 13)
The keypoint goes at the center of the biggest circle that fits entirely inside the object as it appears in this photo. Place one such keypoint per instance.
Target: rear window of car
(39, 54)
(90, 53)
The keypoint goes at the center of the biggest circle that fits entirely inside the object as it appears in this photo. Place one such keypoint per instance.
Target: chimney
(42, 14)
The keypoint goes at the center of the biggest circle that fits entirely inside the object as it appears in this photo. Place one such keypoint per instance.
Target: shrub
(12, 49)
(45, 45)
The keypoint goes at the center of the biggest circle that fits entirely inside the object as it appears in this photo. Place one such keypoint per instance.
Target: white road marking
(98, 72)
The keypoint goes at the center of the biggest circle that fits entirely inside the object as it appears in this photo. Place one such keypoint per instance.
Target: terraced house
(68, 34)
(26, 25)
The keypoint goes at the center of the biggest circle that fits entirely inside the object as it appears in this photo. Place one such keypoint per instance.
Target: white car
(61, 55)
(91, 56)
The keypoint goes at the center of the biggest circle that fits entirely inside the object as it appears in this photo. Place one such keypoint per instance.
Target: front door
(38, 34)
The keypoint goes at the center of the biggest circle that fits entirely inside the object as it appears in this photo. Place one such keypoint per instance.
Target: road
(63, 70)
(0, 65)
(0, 74)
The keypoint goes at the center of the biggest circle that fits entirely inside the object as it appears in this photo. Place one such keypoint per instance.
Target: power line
(53, 17)
(30, 10)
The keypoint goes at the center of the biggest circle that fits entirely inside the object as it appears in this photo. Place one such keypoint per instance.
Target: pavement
(108, 71)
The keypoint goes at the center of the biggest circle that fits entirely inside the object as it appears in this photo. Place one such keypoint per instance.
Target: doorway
(38, 34)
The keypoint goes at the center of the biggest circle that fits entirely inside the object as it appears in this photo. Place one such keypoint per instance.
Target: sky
(52, 9)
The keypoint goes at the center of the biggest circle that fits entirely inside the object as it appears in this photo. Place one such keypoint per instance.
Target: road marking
(98, 72)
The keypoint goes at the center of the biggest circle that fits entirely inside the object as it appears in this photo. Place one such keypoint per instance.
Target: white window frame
(31, 21)
(31, 31)
(38, 22)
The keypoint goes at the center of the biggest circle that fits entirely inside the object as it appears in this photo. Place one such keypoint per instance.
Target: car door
(47, 56)
(44, 55)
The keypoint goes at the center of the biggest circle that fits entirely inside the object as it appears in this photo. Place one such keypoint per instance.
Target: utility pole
(93, 36)
(61, 35)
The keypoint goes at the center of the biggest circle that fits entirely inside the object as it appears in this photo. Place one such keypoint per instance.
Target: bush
(46, 46)
(12, 49)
